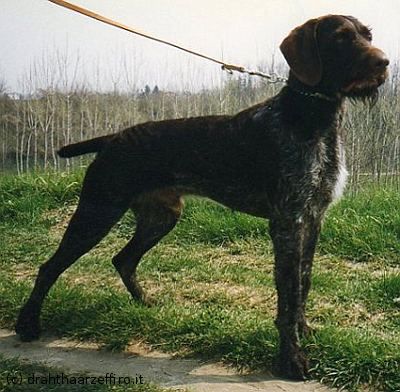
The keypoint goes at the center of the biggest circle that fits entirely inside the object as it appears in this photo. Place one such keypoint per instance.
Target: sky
(48, 39)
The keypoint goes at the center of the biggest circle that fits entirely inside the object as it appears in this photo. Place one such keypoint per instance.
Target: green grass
(212, 281)
(366, 226)
(23, 198)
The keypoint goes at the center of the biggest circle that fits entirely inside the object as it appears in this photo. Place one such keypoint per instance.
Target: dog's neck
(318, 92)
(314, 94)
(310, 110)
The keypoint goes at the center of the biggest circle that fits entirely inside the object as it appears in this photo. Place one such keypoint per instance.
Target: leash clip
(230, 68)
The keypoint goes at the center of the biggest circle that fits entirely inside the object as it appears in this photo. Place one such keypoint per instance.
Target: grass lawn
(212, 282)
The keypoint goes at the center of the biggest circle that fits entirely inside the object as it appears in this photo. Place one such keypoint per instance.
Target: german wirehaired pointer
(282, 160)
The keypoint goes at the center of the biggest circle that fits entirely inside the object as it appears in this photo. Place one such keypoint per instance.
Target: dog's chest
(319, 176)
(328, 174)
(342, 174)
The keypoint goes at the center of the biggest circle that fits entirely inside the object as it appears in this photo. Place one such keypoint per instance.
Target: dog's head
(334, 54)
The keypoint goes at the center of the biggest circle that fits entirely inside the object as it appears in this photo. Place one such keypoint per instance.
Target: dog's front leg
(312, 229)
(287, 237)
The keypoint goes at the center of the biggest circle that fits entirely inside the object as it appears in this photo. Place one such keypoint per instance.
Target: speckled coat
(281, 157)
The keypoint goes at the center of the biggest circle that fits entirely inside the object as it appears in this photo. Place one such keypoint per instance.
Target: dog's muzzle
(375, 65)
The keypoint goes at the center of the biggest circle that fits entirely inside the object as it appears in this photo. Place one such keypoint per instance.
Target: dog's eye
(368, 36)
(366, 33)
(346, 35)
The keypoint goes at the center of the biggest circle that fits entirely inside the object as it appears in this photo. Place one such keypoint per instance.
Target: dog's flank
(282, 159)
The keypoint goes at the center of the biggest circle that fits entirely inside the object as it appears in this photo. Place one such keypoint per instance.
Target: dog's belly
(253, 204)
(238, 198)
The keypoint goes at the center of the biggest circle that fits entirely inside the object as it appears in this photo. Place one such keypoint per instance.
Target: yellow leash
(226, 67)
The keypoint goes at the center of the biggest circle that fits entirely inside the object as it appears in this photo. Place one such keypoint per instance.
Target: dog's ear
(300, 49)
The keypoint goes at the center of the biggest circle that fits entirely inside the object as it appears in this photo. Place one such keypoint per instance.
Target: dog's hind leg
(157, 214)
(94, 217)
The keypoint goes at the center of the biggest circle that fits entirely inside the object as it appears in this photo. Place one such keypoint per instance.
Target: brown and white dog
(282, 160)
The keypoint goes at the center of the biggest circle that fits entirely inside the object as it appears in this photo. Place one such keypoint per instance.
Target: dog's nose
(379, 62)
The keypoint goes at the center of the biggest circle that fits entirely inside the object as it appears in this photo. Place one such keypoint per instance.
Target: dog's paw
(139, 295)
(143, 300)
(305, 331)
(27, 332)
(292, 366)
(147, 301)
(27, 327)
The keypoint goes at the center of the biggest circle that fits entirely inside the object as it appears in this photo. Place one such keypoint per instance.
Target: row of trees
(37, 122)
(34, 124)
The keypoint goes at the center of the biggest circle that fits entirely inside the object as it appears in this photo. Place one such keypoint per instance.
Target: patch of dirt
(157, 367)
(235, 293)
(23, 272)
(60, 218)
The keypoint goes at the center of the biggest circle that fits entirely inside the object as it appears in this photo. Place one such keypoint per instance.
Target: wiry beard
(368, 95)
(364, 90)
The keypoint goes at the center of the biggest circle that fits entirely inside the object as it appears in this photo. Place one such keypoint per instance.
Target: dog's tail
(92, 145)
